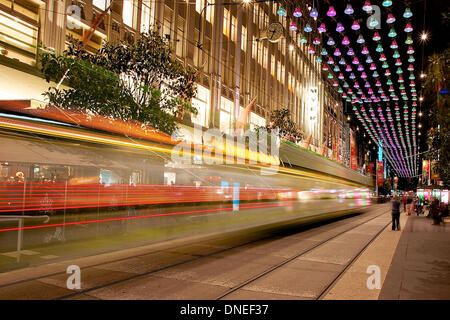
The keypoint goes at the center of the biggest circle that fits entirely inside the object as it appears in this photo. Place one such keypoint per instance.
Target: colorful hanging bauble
(281, 11)
(322, 28)
(410, 50)
(373, 66)
(392, 33)
(367, 6)
(409, 39)
(349, 9)
(376, 36)
(360, 39)
(311, 50)
(373, 22)
(375, 74)
(369, 59)
(355, 60)
(293, 26)
(337, 52)
(330, 41)
(330, 60)
(324, 52)
(316, 41)
(394, 45)
(319, 59)
(387, 73)
(297, 12)
(411, 59)
(396, 54)
(345, 41)
(360, 68)
(390, 18)
(339, 27)
(408, 27)
(365, 51)
(398, 62)
(348, 68)
(355, 25)
(325, 67)
(307, 28)
(331, 12)
(410, 68)
(341, 76)
(382, 57)
(400, 79)
(407, 14)
(314, 13)
(387, 3)
(363, 75)
(385, 65)
(379, 48)
(350, 52)
(342, 61)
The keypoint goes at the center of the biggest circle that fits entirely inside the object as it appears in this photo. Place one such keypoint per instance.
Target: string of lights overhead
(384, 105)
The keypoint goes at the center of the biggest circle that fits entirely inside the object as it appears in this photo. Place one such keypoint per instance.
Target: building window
(254, 48)
(145, 16)
(127, 14)
(233, 29)
(226, 22)
(244, 39)
(272, 65)
(256, 121)
(265, 57)
(226, 107)
(201, 103)
(101, 4)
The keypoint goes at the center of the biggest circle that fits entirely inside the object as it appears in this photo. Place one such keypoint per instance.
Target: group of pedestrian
(437, 209)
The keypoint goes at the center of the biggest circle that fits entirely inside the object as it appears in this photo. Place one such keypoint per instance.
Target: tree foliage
(139, 81)
(439, 135)
(287, 129)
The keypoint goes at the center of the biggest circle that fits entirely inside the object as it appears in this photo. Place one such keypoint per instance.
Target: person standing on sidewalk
(395, 213)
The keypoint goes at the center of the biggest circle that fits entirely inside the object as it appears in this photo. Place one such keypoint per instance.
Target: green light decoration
(399, 71)
(387, 3)
(389, 82)
(340, 90)
(408, 14)
(411, 59)
(379, 48)
(303, 39)
(392, 33)
(319, 59)
(373, 22)
(412, 76)
(409, 39)
(396, 54)
(385, 65)
(330, 76)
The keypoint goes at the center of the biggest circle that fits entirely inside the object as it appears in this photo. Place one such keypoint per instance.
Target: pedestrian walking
(395, 213)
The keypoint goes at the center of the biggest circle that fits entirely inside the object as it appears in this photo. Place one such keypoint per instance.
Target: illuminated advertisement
(425, 171)
(437, 193)
(379, 173)
(444, 196)
(353, 158)
(420, 194)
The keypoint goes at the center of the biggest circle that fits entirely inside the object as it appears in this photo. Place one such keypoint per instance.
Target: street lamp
(199, 45)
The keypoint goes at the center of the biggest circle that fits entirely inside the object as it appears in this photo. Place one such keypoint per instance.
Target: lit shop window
(226, 108)
(201, 103)
(127, 14)
(101, 4)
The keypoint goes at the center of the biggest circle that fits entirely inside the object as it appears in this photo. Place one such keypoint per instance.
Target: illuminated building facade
(237, 65)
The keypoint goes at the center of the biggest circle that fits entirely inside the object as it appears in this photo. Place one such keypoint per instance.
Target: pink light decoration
(331, 12)
(325, 67)
(394, 45)
(297, 12)
(378, 84)
(293, 26)
(348, 69)
(355, 25)
(373, 66)
(330, 60)
(365, 51)
(345, 41)
(376, 36)
(316, 41)
(337, 52)
(322, 28)
(363, 75)
(355, 60)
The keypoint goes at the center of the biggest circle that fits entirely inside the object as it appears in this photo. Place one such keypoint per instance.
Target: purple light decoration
(350, 52)
(367, 85)
(345, 41)
(330, 41)
(355, 25)
(297, 12)
(342, 61)
(322, 28)
(360, 68)
(349, 9)
(314, 13)
(339, 27)
(369, 59)
(352, 76)
(360, 39)
(331, 12)
(337, 52)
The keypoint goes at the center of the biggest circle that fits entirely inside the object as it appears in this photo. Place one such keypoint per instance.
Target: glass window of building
(226, 22)
(226, 107)
(254, 48)
(272, 65)
(233, 28)
(127, 13)
(244, 39)
(265, 57)
(145, 16)
(101, 4)
(201, 103)
(180, 37)
(256, 121)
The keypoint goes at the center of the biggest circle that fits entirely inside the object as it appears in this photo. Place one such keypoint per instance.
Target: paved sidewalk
(420, 268)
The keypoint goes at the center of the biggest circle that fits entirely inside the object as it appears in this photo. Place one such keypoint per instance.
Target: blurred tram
(72, 176)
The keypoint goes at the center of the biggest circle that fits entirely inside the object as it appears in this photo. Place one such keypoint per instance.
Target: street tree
(281, 120)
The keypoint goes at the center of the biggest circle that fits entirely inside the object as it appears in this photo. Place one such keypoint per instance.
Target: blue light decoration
(349, 9)
(307, 28)
(281, 11)
(360, 39)
(330, 41)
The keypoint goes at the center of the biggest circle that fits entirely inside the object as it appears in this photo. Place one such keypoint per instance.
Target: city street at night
(218, 159)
